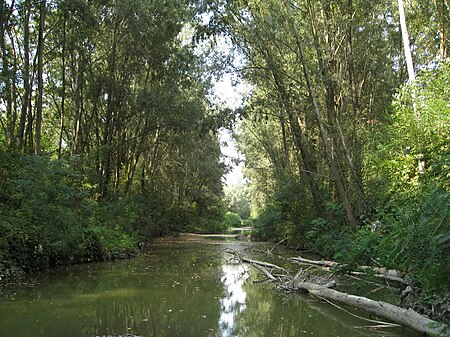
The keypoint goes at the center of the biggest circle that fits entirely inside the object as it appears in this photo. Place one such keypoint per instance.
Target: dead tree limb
(383, 273)
(262, 266)
(405, 317)
(393, 313)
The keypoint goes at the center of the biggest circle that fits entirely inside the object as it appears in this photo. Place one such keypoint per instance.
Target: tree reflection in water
(233, 301)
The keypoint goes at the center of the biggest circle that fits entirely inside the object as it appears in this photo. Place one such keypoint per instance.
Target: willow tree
(9, 66)
(115, 90)
(321, 63)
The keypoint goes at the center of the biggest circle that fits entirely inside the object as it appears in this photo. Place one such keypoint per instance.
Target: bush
(248, 223)
(232, 220)
(413, 236)
(49, 217)
(286, 214)
(114, 243)
(328, 240)
(418, 240)
(268, 225)
(44, 209)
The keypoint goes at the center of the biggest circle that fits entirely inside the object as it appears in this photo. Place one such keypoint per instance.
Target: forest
(109, 133)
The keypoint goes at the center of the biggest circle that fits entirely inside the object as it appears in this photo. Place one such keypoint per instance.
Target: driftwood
(384, 273)
(321, 287)
(405, 317)
(264, 267)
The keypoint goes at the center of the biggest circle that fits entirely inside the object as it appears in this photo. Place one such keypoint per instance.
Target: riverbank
(53, 213)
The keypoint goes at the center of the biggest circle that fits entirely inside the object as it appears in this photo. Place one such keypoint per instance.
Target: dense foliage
(107, 135)
(237, 200)
(341, 155)
(412, 225)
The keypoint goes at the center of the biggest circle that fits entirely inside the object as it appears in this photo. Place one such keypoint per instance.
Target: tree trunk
(285, 149)
(111, 106)
(301, 146)
(76, 69)
(340, 142)
(5, 15)
(13, 121)
(405, 317)
(305, 161)
(412, 77)
(406, 46)
(382, 273)
(334, 169)
(445, 41)
(63, 94)
(40, 65)
(26, 99)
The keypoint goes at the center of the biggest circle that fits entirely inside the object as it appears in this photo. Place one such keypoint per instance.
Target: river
(186, 288)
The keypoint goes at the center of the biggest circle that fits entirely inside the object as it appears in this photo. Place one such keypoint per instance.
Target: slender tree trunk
(305, 164)
(356, 165)
(310, 171)
(445, 25)
(285, 156)
(121, 137)
(329, 67)
(412, 78)
(26, 98)
(3, 24)
(334, 170)
(76, 66)
(108, 127)
(40, 65)
(328, 147)
(132, 168)
(63, 94)
(154, 158)
(5, 15)
(405, 37)
(13, 121)
(143, 180)
(443, 16)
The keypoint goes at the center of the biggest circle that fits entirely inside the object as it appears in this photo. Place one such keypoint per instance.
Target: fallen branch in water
(261, 266)
(405, 317)
(321, 286)
(384, 273)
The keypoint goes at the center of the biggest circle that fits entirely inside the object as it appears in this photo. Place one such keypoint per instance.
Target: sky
(230, 96)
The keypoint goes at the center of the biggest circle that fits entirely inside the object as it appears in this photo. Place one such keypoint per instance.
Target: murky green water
(175, 289)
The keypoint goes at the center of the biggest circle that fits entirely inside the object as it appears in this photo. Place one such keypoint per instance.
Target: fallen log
(322, 263)
(262, 266)
(384, 273)
(406, 317)
(265, 264)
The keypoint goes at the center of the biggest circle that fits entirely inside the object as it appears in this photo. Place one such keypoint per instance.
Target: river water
(186, 288)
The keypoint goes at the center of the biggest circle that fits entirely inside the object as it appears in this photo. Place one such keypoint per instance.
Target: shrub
(268, 224)
(418, 239)
(232, 220)
(50, 217)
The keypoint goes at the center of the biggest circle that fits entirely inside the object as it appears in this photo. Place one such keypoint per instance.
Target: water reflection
(233, 302)
(182, 290)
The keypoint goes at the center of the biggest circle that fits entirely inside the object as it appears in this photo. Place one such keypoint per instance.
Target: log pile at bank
(322, 286)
